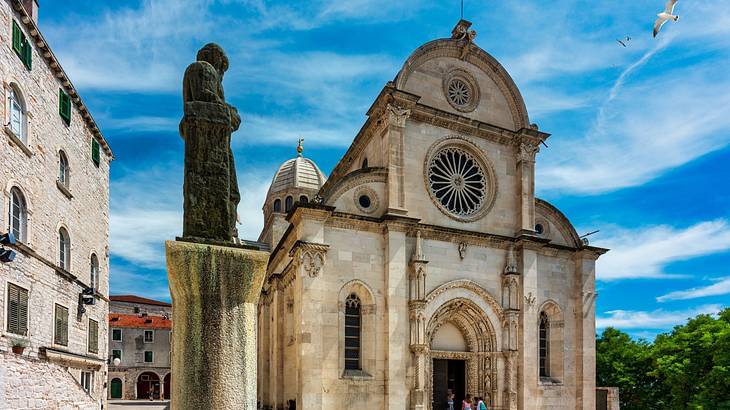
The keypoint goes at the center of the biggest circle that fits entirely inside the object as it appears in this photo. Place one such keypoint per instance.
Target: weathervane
(300, 148)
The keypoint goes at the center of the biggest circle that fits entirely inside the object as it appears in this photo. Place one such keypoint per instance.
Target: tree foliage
(688, 368)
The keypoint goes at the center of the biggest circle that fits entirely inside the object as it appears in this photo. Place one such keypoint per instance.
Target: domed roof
(299, 172)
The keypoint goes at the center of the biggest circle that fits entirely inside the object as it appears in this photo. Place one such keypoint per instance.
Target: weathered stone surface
(211, 187)
(215, 291)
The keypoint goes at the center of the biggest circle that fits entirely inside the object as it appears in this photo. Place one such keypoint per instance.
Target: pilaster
(416, 307)
(527, 149)
(585, 318)
(396, 317)
(394, 118)
(528, 376)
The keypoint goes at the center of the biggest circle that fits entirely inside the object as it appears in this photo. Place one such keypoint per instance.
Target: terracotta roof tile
(137, 299)
(140, 322)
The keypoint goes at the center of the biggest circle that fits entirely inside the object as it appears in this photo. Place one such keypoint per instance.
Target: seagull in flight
(667, 14)
(625, 41)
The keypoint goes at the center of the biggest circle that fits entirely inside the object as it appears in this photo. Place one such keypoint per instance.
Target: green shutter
(93, 336)
(27, 55)
(64, 105)
(17, 310)
(61, 326)
(17, 39)
(95, 151)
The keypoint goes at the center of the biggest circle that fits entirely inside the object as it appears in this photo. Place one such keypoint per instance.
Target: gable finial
(300, 148)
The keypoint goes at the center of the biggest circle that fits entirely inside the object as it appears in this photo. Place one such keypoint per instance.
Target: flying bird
(625, 41)
(667, 14)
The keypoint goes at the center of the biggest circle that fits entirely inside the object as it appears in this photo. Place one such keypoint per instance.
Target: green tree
(688, 368)
(624, 363)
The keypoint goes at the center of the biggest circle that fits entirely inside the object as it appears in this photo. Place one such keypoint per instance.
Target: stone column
(416, 307)
(527, 368)
(215, 291)
(395, 118)
(585, 317)
(396, 318)
(526, 152)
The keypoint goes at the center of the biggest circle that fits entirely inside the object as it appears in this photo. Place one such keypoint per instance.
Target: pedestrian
(480, 404)
(450, 400)
(466, 404)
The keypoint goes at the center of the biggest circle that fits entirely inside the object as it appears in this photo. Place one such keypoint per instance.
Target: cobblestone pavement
(138, 405)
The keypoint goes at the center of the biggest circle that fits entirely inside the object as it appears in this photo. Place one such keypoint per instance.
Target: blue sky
(641, 135)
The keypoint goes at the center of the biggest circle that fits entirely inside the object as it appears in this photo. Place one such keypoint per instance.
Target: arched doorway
(148, 382)
(168, 386)
(116, 388)
(463, 353)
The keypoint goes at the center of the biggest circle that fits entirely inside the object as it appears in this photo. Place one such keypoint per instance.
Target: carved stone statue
(211, 188)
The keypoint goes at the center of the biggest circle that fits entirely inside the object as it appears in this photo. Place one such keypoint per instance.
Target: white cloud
(721, 287)
(656, 319)
(645, 252)
(149, 284)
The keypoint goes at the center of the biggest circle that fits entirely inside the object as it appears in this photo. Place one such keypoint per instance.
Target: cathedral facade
(425, 264)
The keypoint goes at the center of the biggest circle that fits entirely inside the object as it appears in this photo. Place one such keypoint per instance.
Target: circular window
(539, 229)
(457, 181)
(364, 201)
(461, 90)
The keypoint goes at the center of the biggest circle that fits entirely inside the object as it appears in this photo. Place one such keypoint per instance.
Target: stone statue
(211, 188)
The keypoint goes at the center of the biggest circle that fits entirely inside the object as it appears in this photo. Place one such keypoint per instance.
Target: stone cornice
(53, 63)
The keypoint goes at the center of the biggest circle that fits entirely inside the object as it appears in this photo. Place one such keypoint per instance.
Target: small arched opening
(115, 388)
(148, 386)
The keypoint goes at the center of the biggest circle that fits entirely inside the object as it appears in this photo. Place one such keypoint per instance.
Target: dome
(297, 173)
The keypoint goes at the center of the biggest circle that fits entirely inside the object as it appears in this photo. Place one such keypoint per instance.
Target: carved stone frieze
(309, 257)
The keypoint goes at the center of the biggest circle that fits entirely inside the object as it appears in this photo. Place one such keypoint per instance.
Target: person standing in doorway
(450, 400)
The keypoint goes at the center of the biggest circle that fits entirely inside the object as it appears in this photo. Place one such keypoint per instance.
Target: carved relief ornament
(310, 257)
(396, 115)
(528, 152)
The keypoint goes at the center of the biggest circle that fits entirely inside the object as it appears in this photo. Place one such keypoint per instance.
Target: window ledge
(357, 375)
(549, 381)
(15, 140)
(64, 190)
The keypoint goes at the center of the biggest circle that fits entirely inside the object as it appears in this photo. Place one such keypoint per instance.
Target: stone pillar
(416, 307)
(395, 118)
(528, 374)
(585, 317)
(527, 150)
(396, 318)
(215, 291)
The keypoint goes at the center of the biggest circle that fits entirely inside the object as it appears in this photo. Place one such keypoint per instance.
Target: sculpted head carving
(214, 55)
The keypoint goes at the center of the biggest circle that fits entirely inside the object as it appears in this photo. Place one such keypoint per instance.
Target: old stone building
(425, 263)
(140, 337)
(55, 201)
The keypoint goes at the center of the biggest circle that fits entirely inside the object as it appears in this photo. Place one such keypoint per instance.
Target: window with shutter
(95, 152)
(17, 310)
(93, 336)
(60, 336)
(64, 106)
(18, 38)
(27, 56)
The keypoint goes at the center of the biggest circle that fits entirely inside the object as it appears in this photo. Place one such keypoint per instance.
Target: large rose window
(457, 181)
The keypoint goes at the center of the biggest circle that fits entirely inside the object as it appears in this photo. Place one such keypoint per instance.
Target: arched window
(303, 199)
(544, 345)
(17, 114)
(364, 163)
(277, 205)
(64, 249)
(94, 274)
(63, 169)
(18, 215)
(352, 333)
(288, 203)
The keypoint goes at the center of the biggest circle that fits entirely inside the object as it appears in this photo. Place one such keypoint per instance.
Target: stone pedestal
(215, 290)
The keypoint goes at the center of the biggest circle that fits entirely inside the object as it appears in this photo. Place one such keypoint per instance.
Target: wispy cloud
(656, 319)
(645, 252)
(720, 287)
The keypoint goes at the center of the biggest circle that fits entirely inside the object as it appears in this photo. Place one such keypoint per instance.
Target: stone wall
(21, 387)
(82, 209)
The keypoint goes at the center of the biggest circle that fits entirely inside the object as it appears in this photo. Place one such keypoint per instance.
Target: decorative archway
(148, 383)
(167, 386)
(481, 356)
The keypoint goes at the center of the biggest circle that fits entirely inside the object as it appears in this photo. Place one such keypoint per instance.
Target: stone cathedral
(425, 264)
